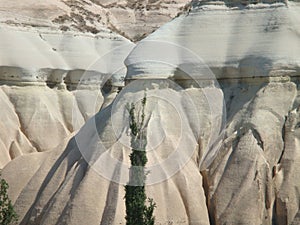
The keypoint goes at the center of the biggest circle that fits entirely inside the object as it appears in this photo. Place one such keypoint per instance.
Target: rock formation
(222, 113)
(50, 86)
(36, 53)
(132, 19)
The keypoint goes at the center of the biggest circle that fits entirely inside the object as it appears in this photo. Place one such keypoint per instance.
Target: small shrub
(7, 212)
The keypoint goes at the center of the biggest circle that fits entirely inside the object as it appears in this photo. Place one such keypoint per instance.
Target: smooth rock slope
(85, 187)
(66, 45)
(222, 127)
(50, 85)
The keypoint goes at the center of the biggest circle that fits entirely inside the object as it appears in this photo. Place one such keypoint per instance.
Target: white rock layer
(250, 179)
(50, 85)
(252, 42)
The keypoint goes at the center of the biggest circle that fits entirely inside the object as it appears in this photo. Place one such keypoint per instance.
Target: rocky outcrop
(132, 19)
(32, 113)
(50, 85)
(86, 169)
(222, 118)
(52, 78)
(260, 40)
(137, 19)
(249, 166)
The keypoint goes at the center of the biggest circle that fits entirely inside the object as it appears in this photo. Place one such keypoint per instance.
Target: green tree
(138, 210)
(7, 212)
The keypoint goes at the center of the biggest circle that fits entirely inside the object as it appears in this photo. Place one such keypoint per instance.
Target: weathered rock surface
(29, 114)
(249, 166)
(249, 175)
(83, 186)
(259, 40)
(50, 84)
(243, 176)
(133, 19)
(35, 53)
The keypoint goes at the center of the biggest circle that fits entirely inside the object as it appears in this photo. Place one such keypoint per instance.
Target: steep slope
(132, 19)
(62, 44)
(50, 84)
(251, 167)
(93, 193)
(200, 171)
(254, 53)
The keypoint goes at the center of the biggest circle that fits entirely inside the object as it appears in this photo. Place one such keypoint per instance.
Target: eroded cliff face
(29, 114)
(250, 178)
(223, 128)
(51, 49)
(51, 84)
(132, 19)
(97, 186)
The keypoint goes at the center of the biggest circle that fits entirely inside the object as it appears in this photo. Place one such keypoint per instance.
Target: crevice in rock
(230, 142)
(205, 187)
(274, 219)
(258, 138)
(40, 35)
(283, 139)
(11, 152)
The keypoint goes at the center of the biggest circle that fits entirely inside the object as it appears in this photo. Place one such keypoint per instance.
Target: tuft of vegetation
(7, 212)
(139, 208)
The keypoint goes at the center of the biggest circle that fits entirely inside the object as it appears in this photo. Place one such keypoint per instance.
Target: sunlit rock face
(132, 19)
(51, 84)
(252, 178)
(258, 40)
(222, 114)
(60, 47)
(95, 163)
(251, 167)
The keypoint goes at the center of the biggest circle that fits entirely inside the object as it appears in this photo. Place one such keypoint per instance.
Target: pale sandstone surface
(251, 52)
(50, 84)
(250, 167)
(259, 40)
(35, 53)
(80, 190)
(251, 179)
(32, 113)
(132, 19)
(32, 55)
(243, 176)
